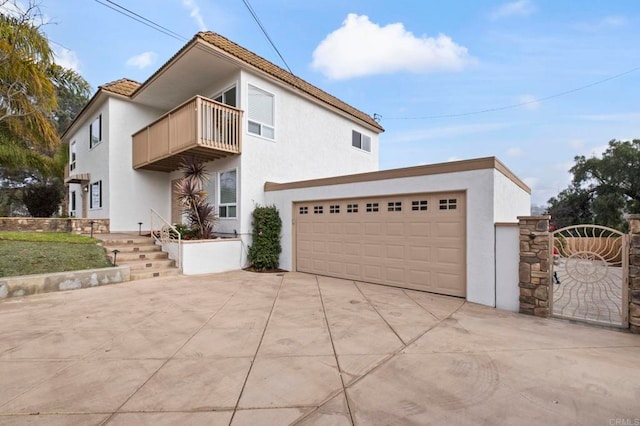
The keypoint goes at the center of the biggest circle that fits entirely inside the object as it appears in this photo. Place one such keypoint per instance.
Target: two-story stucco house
(249, 119)
(269, 137)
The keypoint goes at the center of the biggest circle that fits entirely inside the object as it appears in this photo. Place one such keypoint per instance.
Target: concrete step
(141, 274)
(128, 241)
(126, 256)
(132, 248)
(148, 264)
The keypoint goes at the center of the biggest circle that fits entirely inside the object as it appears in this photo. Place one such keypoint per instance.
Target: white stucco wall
(509, 201)
(478, 185)
(310, 142)
(132, 192)
(212, 256)
(507, 261)
(92, 160)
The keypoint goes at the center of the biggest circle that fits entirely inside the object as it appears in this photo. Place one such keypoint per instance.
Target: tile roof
(124, 87)
(275, 71)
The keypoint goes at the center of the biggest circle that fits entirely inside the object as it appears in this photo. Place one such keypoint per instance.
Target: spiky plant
(200, 214)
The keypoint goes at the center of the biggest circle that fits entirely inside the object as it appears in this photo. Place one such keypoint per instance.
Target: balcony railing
(200, 127)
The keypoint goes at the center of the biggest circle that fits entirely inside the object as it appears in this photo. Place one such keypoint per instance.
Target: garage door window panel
(394, 206)
(449, 204)
(420, 205)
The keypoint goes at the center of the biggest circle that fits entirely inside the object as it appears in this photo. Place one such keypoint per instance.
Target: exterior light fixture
(115, 254)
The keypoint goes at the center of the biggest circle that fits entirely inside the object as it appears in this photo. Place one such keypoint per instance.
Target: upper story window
(360, 141)
(228, 194)
(95, 131)
(72, 157)
(261, 113)
(228, 97)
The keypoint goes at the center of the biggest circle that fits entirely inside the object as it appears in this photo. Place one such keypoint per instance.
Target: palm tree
(29, 83)
(200, 214)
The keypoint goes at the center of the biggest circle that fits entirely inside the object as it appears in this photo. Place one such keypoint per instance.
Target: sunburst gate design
(588, 273)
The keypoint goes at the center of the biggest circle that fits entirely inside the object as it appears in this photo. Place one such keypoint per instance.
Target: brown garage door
(415, 241)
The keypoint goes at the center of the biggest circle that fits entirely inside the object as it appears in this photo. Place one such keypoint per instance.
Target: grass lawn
(25, 253)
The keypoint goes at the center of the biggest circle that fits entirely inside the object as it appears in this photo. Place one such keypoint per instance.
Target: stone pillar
(634, 273)
(534, 265)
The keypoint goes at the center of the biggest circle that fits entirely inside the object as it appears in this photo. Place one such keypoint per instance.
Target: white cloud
(454, 158)
(360, 47)
(608, 22)
(515, 152)
(576, 143)
(529, 102)
(142, 60)
(66, 58)
(515, 8)
(596, 151)
(194, 12)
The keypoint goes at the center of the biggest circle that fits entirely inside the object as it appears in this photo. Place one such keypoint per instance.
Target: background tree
(571, 206)
(603, 189)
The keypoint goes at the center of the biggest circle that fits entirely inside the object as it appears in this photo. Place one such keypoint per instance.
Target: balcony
(200, 127)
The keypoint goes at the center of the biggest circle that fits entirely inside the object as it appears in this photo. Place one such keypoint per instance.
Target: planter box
(208, 256)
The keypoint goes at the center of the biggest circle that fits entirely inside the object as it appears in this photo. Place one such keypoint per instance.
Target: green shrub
(42, 200)
(264, 252)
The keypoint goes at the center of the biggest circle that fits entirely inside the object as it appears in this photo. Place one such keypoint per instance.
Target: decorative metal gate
(589, 275)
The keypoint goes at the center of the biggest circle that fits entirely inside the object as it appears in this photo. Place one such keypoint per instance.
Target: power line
(141, 19)
(533, 101)
(266, 34)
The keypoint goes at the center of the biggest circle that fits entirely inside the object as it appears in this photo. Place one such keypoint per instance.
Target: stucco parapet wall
(61, 281)
(54, 224)
(430, 169)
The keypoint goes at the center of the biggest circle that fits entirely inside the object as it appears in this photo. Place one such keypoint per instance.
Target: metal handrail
(166, 233)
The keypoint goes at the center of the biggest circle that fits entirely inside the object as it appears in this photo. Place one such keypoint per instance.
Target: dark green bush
(264, 252)
(42, 200)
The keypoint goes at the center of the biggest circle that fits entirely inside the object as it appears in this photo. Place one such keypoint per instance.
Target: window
(95, 196)
(228, 97)
(334, 209)
(449, 204)
(261, 116)
(72, 157)
(73, 203)
(372, 207)
(419, 205)
(352, 208)
(318, 209)
(394, 206)
(95, 132)
(228, 194)
(304, 210)
(360, 141)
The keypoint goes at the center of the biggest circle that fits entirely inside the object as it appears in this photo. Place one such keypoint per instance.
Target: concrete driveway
(247, 349)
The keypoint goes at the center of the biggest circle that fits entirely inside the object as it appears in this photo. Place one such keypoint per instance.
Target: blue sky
(411, 62)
